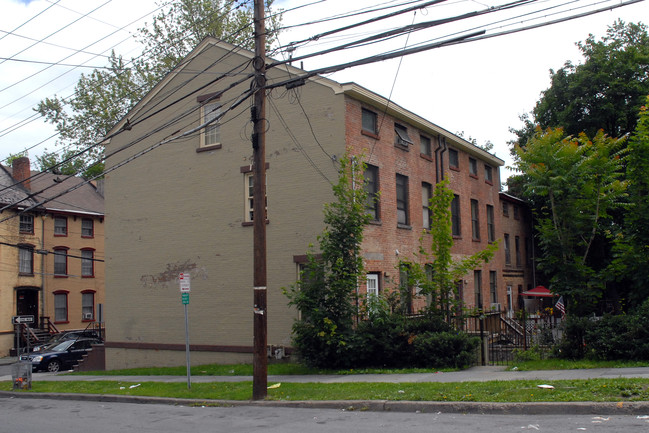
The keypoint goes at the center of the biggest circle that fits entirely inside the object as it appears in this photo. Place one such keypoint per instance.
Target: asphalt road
(69, 416)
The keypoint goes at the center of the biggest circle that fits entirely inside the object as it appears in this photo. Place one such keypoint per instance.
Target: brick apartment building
(185, 206)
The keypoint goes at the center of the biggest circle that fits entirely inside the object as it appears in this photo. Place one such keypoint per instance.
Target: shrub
(444, 349)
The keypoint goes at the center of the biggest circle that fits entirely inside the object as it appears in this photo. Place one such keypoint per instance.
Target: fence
(501, 336)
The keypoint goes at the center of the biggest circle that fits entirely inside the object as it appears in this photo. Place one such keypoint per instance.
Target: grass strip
(598, 390)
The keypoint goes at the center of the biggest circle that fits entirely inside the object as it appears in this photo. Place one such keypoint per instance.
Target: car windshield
(60, 347)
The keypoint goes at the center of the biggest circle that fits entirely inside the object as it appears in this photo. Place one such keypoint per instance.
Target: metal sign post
(18, 321)
(185, 288)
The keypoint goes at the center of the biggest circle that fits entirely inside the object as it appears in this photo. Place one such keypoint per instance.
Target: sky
(478, 89)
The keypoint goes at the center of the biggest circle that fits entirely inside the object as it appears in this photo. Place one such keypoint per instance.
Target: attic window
(210, 138)
(401, 137)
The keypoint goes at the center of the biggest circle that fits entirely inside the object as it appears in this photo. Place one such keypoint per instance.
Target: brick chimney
(21, 171)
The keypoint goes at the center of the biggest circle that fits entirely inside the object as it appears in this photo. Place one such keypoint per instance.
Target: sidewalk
(474, 374)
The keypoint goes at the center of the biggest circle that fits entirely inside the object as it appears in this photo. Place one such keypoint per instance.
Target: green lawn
(614, 390)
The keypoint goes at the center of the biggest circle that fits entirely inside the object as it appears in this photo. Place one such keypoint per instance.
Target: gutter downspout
(42, 271)
(442, 142)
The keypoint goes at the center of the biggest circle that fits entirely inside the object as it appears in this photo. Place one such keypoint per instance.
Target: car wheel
(53, 366)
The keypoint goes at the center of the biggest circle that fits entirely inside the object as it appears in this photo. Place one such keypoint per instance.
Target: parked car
(68, 335)
(60, 356)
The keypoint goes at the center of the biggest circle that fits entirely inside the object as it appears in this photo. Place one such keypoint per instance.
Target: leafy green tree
(574, 185)
(102, 98)
(326, 293)
(632, 242)
(604, 92)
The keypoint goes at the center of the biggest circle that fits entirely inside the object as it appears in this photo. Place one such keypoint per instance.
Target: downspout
(437, 157)
(41, 323)
(441, 156)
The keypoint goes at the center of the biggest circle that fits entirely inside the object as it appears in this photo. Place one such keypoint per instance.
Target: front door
(510, 303)
(27, 302)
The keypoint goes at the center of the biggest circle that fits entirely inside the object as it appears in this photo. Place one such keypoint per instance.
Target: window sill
(376, 222)
(22, 274)
(475, 240)
(26, 233)
(404, 226)
(251, 223)
(454, 168)
(209, 148)
(60, 235)
(60, 276)
(87, 320)
(62, 322)
(488, 182)
(426, 157)
(87, 237)
(87, 276)
(473, 176)
(370, 134)
(402, 147)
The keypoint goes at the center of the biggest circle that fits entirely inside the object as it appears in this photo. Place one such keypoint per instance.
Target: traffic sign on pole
(185, 283)
(17, 320)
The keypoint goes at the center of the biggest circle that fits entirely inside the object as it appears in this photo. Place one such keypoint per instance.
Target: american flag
(560, 306)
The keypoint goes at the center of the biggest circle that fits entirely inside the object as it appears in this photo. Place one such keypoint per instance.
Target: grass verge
(600, 390)
(565, 364)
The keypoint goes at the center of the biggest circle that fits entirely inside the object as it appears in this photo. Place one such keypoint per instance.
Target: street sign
(185, 283)
(185, 298)
(17, 320)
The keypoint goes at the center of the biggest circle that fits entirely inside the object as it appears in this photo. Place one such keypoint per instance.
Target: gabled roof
(84, 199)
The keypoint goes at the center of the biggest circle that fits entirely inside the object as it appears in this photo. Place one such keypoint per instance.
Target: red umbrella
(539, 292)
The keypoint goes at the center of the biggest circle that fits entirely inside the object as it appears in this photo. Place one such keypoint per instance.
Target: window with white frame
(25, 260)
(87, 228)
(249, 192)
(87, 263)
(61, 306)
(26, 224)
(212, 132)
(88, 305)
(60, 226)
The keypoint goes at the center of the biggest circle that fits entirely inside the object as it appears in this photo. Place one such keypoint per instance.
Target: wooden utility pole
(260, 317)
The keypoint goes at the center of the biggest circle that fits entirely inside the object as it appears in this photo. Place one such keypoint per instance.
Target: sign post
(185, 288)
(18, 321)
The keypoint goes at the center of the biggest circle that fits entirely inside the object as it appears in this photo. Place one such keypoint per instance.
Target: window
(475, 223)
(87, 228)
(61, 306)
(473, 167)
(491, 234)
(212, 133)
(402, 200)
(406, 299)
(426, 194)
(517, 251)
(528, 251)
(25, 260)
(516, 213)
(453, 159)
(87, 263)
(88, 305)
(372, 188)
(488, 174)
(477, 288)
(425, 146)
(401, 137)
(249, 188)
(26, 224)
(60, 226)
(372, 291)
(493, 287)
(60, 261)
(369, 123)
(508, 254)
(455, 216)
(506, 209)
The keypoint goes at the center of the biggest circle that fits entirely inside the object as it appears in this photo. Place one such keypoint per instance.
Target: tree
(574, 184)
(102, 98)
(605, 92)
(326, 293)
(632, 242)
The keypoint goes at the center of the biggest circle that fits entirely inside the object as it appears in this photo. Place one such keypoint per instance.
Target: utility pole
(258, 115)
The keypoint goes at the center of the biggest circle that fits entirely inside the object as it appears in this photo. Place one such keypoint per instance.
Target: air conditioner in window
(87, 316)
(495, 306)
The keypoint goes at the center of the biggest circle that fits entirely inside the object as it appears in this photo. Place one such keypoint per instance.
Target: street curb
(541, 408)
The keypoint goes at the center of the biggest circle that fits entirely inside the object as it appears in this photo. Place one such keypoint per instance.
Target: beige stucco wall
(177, 210)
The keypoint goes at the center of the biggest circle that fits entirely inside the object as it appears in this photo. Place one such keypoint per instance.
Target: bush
(444, 349)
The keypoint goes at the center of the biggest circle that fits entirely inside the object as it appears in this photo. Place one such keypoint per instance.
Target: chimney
(21, 171)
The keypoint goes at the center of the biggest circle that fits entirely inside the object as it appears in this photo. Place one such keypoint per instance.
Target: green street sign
(185, 298)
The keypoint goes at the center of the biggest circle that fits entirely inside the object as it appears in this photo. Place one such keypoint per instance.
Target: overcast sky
(479, 88)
